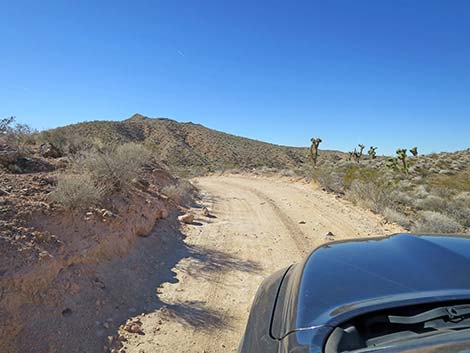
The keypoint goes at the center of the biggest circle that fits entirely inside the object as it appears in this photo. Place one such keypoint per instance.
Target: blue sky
(386, 73)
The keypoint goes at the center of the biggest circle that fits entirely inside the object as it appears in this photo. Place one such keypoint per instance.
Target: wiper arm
(451, 312)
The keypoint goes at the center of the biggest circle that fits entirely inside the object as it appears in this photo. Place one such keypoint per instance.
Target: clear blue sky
(388, 73)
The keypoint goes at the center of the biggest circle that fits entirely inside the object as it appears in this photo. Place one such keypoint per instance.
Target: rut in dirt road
(257, 227)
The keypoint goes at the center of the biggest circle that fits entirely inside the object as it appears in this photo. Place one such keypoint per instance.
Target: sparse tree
(414, 151)
(5, 124)
(361, 149)
(401, 155)
(314, 149)
(372, 153)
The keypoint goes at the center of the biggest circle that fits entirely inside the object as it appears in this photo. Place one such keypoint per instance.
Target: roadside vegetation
(425, 194)
(84, 170)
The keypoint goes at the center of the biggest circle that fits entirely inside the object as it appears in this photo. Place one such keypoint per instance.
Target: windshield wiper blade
(451, 312)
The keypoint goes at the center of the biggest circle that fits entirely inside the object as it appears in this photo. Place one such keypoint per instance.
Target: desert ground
(256, 226)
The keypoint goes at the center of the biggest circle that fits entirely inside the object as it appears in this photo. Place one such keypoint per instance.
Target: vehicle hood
(343, 279)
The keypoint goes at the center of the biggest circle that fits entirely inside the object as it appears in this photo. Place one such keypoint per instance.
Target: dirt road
(256, 227)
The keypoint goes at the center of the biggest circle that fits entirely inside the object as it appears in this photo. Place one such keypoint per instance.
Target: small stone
(186, 218)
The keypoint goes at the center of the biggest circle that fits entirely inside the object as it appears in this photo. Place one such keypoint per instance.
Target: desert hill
(187, 145)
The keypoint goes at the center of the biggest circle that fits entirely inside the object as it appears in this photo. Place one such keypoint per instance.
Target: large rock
(186, 218)
(48, 150)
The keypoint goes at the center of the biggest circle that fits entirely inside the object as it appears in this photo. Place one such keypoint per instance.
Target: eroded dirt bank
(68, 279)
(256, 227)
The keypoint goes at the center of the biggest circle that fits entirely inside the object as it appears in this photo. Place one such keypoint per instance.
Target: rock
(329, 236)
(186, 218)
(8, 154)
(134, 327)
(205, 212)
(48, 150)
(62, 162)
(302, 222)
(108, 213)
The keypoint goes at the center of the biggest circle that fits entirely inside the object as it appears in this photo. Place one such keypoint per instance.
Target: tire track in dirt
(254, 231)
(293, 229)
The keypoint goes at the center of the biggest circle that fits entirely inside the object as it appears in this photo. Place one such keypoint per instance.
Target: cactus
(414, 151)
(314, 149)
(371, 152)
(401, 155)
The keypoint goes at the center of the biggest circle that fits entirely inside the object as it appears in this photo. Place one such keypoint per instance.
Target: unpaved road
(258, 226)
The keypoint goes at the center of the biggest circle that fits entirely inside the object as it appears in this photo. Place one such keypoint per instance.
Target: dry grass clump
(397, 217)
(180, 193)
(114, 169)
(431, 202)
(99, 173)
(370, 195)
(435, 222)
(76, 191)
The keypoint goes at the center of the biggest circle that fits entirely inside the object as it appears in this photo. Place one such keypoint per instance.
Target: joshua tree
(414, 151)
(371, 152)
(361, 149)
(314, 149)
(401, 155)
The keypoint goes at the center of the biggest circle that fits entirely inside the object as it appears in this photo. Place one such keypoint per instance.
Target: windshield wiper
(456, 312)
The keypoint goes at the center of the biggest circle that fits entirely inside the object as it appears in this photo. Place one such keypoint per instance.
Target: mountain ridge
(183, 145)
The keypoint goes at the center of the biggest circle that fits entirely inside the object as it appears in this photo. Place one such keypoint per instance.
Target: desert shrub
(459, 208)
(464, 198)
(17, 135)
(458, 182)
(180, 193)
(431, 202)
(287, 173)
(66, 143)
(396, 217)
(435, 222)
(420, 192)
(114, 169)
(401, 197)
(370, 195)
(331, 179)
(76, 191)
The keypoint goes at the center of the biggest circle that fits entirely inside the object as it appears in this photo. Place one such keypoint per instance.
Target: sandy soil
(257, 226)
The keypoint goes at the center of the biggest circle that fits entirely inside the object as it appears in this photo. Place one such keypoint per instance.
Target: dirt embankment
(256, 226)
(69, 279)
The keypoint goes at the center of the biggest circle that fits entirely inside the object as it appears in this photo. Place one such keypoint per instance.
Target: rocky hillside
(184, 145)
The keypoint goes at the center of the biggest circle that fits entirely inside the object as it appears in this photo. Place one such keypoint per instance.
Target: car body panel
(258, 337)
(341, 280)
(344, 279)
